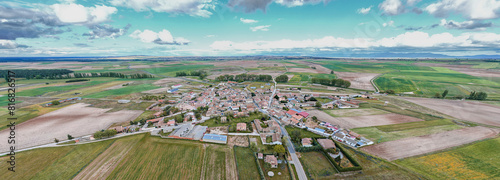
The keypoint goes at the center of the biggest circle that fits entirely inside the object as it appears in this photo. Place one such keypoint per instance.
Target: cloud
(472, 25)
(260, 28)
(17, 22)
(412, 2)
(248, 21)
(106, 31)
(254, 5)
(198, 8)
(78, 14)
(249, 5)
(390, 23)
(163, 37)
(476, 10)
(410, 41)
(392, 7)
(293, 3)
(7, 44)
(364, 10)
(81, 45)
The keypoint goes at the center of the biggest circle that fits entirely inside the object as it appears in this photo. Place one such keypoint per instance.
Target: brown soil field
(90, 68)
(248, 64)
(466, 110)
(363, 121)
(238, 141)
(140, 66)
(358, 80)
(272, 73)
(167, 80)
(77, 120)
(26, 101)
(414, 146)
(319, 68)
(118, 86)
(466, 69)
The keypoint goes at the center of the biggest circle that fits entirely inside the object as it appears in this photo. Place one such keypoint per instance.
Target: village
(231, 109)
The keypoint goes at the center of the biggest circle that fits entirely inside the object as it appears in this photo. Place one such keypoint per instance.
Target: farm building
(271, 159)
(117, 128)
(307, 142)
(123, 101)
(215, 138)
(177, 86)
(172, 90)
(326, 143)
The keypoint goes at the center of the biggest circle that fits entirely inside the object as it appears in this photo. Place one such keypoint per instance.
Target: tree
(478, 95)
(279, 149)
(444, 93)
(331, 72)
(254, 147)
(296, 135)
(390, 91)
(318, 104)
(437, 95)
(315, 118)
(56, 140)
(282, 78)
(70, 137)
(55, 102)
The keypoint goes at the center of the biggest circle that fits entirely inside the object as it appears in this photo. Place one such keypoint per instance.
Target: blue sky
(335, 28)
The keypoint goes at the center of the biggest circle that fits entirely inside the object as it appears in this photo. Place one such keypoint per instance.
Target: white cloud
(364, 10)
(416, 39)
(392, 7)
(79, 14)
(191, 7)
(260, 28)
(475, 25)
(293, 3)
(7, 44)
(390, 23)
(248, 21)
(477, 9)
(163, 37)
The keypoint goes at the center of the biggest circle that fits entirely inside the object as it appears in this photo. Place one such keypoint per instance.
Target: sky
(330, 28)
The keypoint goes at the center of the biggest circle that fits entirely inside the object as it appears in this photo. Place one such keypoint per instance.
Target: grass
(162, 159)
(476, 161)
(379, 136)
(232, 122)
(282, 168)
(247, 166)
(303, 132)
(414, 125)
(115, 106)
(398, 110)
(55, 89)
(317, 165)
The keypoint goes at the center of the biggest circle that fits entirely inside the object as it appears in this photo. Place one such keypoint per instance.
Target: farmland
(247, 166)
(170, 70)
(419, 145)
(317, 165)
(476, 161)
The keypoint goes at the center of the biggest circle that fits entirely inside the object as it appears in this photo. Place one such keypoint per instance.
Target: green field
(232, 122)
(247, 166)
(354, 112)
(303, 132)
(170, 70)
(214, 163)
(52, 89)
(379, 136)
(414, 125)
(317, 165)
(123, 91)
(476, 161)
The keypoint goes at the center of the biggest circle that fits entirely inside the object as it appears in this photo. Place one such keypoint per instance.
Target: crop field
(170, 70)
(214, 163)
(304, 133)
(123, 91)
(400, 131)
(162, 159)
(476, 161)
(355, 112)
(27, 113)
(414, 146)
(53, 163)
(53, 89)
(365, 121)
(76, 119)
(317, 165)
(247, 166)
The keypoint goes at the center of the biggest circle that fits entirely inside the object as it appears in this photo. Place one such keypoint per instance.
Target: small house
(241, 127)
(271, 159)
(307, 142)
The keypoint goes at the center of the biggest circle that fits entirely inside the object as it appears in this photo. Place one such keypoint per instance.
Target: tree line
(332, 82)
(202, 74)
(66, 74)
(245, 77)
(282, 78)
